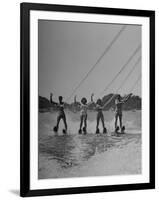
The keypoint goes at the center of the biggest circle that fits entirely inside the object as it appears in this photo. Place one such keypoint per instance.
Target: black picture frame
(25, 9)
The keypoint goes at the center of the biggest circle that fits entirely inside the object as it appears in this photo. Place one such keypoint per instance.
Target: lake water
(73, 149)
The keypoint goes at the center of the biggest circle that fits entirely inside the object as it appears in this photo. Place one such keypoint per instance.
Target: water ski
(97, 131)
(104, 130)
(84, 130)
(55, 129)
(64, 131)
(117, 129)
(116, 132)
(123, 129)
(80, 131)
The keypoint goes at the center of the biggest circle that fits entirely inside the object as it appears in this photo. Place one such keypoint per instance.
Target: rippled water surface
(72, 149)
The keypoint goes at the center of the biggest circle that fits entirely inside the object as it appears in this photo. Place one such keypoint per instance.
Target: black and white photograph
(89, 91)
(90, 99)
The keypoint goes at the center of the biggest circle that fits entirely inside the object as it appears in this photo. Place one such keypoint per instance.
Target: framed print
(87, 99)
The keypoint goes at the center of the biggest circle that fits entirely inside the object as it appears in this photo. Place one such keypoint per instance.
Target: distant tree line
(134, 103)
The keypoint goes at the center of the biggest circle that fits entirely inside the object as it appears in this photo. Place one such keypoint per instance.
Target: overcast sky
(68, 50)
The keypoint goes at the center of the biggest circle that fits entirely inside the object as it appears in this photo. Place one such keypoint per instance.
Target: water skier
(61, 113)
(83, 114)
(99, 108)
(118, 111)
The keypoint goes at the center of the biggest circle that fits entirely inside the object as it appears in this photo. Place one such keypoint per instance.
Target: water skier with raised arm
(61, 113)
(99, 108)
(118, 111)
(83, 114)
